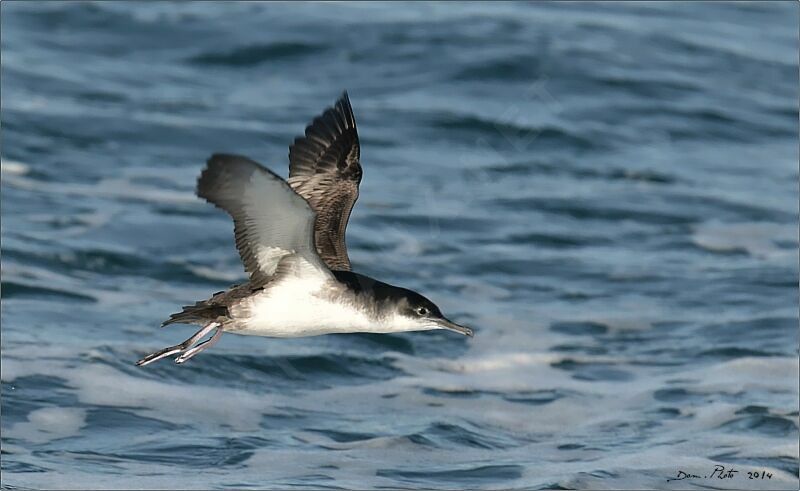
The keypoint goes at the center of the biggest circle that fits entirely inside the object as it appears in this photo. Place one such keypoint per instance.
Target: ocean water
(607, 193)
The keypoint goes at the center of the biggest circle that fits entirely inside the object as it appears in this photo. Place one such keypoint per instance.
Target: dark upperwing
(324, 169)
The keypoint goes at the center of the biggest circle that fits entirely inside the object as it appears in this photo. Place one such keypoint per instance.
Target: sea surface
(607, 193)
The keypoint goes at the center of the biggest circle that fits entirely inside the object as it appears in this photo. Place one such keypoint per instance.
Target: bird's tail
(199, 313)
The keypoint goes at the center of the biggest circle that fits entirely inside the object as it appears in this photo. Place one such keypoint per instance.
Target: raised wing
(270, 220)
(324, 169)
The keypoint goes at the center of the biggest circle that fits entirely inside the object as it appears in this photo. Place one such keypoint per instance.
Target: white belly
(296, 308)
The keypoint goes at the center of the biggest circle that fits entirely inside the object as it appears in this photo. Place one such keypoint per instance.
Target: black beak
(452, 326)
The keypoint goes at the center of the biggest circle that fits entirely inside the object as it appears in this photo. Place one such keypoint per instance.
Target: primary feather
(324, 169)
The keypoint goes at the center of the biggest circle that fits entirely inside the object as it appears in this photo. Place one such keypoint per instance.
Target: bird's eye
(423, 311)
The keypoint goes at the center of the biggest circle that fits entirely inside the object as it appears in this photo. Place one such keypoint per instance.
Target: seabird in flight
(290, 236)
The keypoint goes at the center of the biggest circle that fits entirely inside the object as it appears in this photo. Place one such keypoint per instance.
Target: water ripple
(606, 193)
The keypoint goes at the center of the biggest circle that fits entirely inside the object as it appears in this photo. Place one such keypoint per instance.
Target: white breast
(296, 307)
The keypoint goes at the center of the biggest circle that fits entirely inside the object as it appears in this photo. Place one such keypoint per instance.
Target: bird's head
(419, 313)
(401, 309)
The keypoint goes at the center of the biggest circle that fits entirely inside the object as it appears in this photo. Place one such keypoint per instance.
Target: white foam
(12, 167)
(756, 372)
(215, 274)
(49, 423)
(106, 188)
(173, 402)
(756, 238)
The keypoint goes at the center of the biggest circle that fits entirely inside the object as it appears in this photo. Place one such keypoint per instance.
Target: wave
(256, 54)
(13, 289)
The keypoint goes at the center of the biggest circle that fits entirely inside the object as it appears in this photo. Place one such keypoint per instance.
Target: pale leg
(200, 347)
(178, 347)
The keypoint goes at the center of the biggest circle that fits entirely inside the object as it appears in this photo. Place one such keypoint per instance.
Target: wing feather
(324, 169)
(270, 219)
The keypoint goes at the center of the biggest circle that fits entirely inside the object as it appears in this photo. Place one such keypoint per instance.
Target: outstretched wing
(270, 220)
(324, 169)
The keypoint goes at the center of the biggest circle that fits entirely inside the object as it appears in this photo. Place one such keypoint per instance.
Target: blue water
(608, 193)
